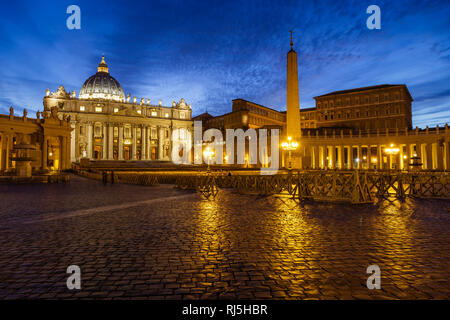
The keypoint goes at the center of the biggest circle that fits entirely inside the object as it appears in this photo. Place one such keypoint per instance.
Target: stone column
(149, 145)
(62, 151)
(419, 153)
(447, 155)
(316, 157)
(408, 156)
(160, 143)
(5, 141)
(134, 147)
(341, 157)
(68, 155)
(110, 142)
(120, 157)
(429, 152)
(333, 157)
(144, 143)
(105, 142)
(389, 159)
(169, 156)
(89, 147)
(401, 154)
(358, 165)
(44, 153)
(9, 146)
(379, 156)
(439, 157)
(351, 165)
(73, 135)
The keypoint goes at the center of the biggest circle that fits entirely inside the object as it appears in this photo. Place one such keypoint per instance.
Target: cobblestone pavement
(163, 243)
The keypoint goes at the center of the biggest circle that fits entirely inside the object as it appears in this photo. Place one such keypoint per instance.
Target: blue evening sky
(210, 52)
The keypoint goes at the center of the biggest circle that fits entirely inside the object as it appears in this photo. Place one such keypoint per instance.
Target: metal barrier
(320, 185)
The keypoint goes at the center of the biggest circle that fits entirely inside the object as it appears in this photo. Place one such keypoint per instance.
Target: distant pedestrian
(104, 177)
(112, 177)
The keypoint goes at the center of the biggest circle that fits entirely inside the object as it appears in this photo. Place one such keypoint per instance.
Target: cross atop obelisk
(292, 43)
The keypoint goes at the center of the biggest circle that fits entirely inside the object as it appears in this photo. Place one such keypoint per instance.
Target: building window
(82, 108)
(154, 113)
(116, 132)
(182, 115)
(139, 111)
(98, 109)
(166, 115)
(153, 133)
(116, 110)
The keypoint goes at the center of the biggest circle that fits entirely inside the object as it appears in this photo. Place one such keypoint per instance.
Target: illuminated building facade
(349, 129)
(358, 143)
(43, 142)
(111, 126)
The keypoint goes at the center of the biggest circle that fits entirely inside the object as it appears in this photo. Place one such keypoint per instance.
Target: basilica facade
(107, 125)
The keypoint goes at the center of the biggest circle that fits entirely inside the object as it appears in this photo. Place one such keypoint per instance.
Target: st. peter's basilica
(111, 126)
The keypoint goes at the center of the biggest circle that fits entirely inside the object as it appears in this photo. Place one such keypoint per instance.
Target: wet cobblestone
(162, 243)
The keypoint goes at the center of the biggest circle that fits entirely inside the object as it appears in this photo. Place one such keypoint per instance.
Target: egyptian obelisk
(293, 105)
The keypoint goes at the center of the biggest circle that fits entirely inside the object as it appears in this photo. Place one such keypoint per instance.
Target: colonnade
(429, 155)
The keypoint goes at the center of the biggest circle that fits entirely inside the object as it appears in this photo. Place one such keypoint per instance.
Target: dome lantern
(102, 66)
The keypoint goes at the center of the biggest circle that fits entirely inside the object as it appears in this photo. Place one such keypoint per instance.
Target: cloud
(211, 54)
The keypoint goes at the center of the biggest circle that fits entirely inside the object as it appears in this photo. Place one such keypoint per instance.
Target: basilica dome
(102, 85)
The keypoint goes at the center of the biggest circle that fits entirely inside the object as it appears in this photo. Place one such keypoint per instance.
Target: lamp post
(208, 153)
(391, 151)
(289, 146)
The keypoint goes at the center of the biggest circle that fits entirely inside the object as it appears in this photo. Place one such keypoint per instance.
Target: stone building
(356, 144)
(369, 108)
(111, 126)
(46, 141)
(347, 129)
